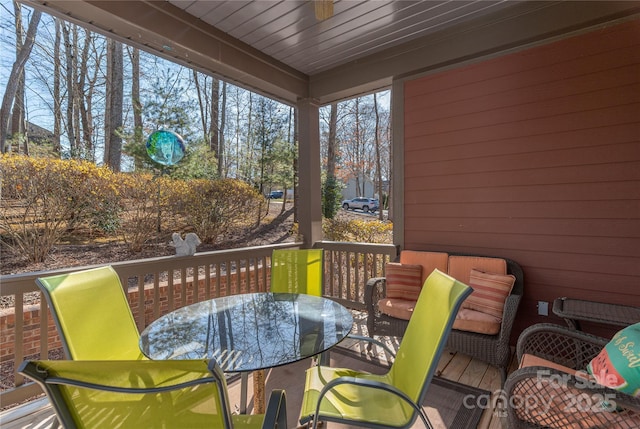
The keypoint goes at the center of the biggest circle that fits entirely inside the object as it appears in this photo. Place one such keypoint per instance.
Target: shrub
(331, 197)
(356, 230)
(42, 198)
(215, 208)
(142, 199)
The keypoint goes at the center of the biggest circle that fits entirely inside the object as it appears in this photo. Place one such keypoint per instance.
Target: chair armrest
(559, 344)
(511, 305)
(545, 397)
(91, 385)
(372, 384)
(140, 376)
(276, 413)
(374, 341)
(374, 290)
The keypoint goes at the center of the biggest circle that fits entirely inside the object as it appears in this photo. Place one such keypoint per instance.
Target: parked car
(364, 204)
(275, 194)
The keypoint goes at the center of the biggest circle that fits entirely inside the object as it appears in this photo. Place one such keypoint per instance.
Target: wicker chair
(493, 349)
(547, 397)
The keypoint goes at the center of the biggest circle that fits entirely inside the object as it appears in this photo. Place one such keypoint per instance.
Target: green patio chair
(392, 400)
(92, 314)
(145, 394)
(297, 271)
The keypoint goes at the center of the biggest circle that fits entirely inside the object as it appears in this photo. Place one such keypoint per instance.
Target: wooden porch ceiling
(280, 49)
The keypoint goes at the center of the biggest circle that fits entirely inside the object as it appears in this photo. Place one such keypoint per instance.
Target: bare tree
(296, 196)
(84, 103)
(332, 144)
(115, 92)
(222, 173)
(70, 66)
(378, 158)
(14, 78)
(202, 102)
(17, 115)
(214, 131)
(57, 104)
(135, 99)
(212, 107)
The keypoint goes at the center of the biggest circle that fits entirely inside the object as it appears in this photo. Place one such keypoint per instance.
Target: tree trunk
(17, 129)
(201, 103)
(214, 131)
(135, 100)
(87, 99)
(222, 171)
(359, 169)
(332, 143)
(295, 166)
(248, 157)
(18, 120)
(85, 113)
(289, 135)
(75, 93)
(57, 106)
(14, 78)
(115, 84)
(70, 63)
(237, 136)
(378, 161)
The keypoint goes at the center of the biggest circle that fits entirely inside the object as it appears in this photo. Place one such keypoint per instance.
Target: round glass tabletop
(248, 332)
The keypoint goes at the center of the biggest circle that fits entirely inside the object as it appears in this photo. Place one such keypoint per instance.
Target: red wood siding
(534, 156)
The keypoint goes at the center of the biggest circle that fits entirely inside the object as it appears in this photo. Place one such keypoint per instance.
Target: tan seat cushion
(466, 320)
(398, 308)
(532, 360)
(429, 261)
(476, 321)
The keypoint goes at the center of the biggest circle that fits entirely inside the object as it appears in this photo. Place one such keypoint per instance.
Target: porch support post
(309, 181)
(396, 211)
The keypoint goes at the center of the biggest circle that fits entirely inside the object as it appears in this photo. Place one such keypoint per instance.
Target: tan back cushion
(460, 266)
(429, 261)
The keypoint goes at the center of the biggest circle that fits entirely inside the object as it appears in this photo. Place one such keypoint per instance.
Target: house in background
(35, 135)
(354, 188)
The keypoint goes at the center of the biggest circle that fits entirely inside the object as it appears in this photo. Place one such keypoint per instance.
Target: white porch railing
(159, 285)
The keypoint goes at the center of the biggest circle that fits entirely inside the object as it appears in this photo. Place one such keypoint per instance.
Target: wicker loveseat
(491, 348)
(552, 389)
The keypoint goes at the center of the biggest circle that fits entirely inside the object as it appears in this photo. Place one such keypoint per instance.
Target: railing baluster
(19, 334)
(156, 295)
(44, 328)
(171, 304)
(207, 281)
(141, 303)
(183, 287)
(218, 280)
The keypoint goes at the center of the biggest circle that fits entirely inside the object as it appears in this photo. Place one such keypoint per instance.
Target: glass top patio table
(249, 332)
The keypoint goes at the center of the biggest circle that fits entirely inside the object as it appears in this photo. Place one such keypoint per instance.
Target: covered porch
(515, 133)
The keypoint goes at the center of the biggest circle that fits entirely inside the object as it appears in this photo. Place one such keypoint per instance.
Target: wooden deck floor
(38, 414)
